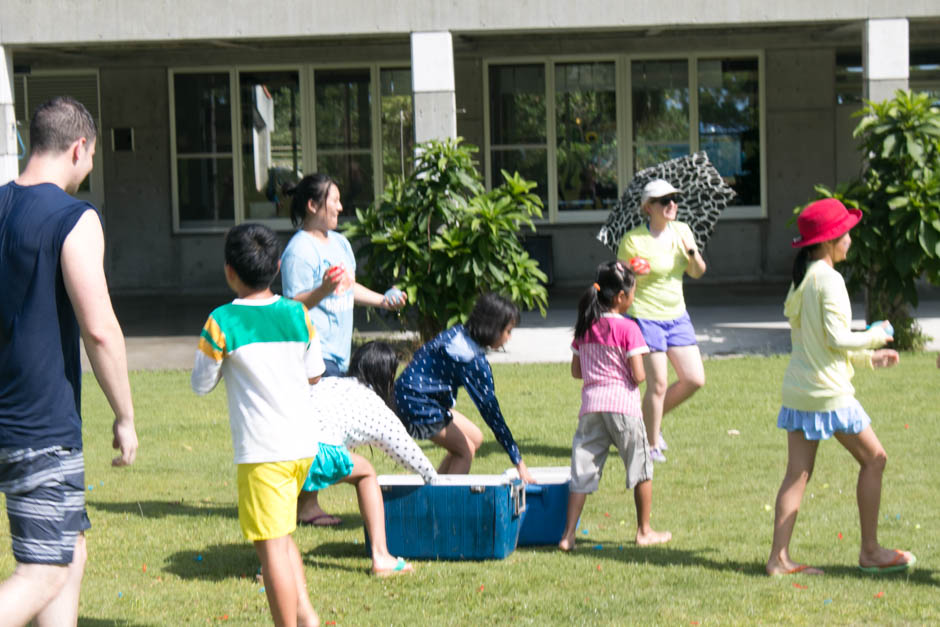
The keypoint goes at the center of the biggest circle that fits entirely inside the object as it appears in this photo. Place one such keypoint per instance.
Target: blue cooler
(546, 505)
(460, 517)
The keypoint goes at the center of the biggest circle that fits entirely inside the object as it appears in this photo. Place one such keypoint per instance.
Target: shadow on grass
(917, 575)
(527, 448)
(106, 622)
(326, 556)
(664, 555)
(215, 563)
(164, 509)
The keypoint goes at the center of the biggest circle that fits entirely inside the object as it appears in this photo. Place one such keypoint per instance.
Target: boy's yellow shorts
(267, 497)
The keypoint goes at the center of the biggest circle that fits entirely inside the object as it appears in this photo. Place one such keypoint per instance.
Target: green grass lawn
(165, 545)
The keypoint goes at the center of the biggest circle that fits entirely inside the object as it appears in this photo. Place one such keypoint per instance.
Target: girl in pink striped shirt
(608, 349)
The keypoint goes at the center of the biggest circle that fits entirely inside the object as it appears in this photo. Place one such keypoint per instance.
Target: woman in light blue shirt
(318, 268)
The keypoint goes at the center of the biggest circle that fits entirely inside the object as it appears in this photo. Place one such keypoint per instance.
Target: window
(239, 135)
(31, 90)
(586, 135)
(580, 128)
(660, 99)
(518, 139)
(344, 132)
(271, 139)
(398, 123)
(729, 123)
(204, 165)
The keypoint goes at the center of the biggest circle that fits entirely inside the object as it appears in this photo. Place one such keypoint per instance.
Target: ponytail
(612, 278)
(800, 263)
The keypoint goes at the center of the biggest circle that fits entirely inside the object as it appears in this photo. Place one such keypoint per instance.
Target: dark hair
(315, 187)
(252, 251)
(491, 315)
(374, 364)
(58, 123)
(613, 277)
(800, 263)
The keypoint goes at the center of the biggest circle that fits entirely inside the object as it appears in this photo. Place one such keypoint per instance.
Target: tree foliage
(444, 240)
(899, 194)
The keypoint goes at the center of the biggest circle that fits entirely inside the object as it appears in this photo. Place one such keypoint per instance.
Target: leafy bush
(444, 240)
(899, 194)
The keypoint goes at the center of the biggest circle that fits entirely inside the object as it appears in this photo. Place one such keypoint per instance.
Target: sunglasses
(665, 200)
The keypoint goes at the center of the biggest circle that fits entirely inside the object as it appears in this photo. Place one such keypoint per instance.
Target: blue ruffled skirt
(331, 465)
(821, 425)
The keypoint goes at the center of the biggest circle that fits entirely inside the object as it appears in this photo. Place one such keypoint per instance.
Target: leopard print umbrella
(704, 195)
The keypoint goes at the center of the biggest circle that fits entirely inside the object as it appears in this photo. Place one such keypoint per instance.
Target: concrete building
(206, 107)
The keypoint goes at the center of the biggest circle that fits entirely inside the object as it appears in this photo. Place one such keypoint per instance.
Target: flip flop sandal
(323, 520)
(401, 568)
(894, 566)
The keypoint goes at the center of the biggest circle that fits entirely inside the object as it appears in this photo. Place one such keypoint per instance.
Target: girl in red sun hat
(818, 397)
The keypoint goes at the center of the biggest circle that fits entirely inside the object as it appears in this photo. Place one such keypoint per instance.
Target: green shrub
(444, 240)
(899, 194)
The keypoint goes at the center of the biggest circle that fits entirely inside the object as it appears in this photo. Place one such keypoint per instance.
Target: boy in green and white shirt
(268, 352)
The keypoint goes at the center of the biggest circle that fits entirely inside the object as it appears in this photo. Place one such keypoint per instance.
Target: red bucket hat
(824, 220)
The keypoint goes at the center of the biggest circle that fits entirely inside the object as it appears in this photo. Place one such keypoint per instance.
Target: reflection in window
(344, 132)
(203, 133)
(729, 123)
(272, 153)
(517, 124)
(925, 73)
(398, 126)
(586, 132)
(660, 111)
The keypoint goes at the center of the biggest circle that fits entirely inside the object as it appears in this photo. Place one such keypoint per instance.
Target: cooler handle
(517, 494)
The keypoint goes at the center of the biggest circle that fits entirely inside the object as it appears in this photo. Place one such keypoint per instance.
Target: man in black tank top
(54, 293)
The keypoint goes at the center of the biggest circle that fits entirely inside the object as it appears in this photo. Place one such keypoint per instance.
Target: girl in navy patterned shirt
(608, 355)
(427, 390)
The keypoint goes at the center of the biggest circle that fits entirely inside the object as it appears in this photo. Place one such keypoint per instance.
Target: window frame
(624, 94)
(307, 111)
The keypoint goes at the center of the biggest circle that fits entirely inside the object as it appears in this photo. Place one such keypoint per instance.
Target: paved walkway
(161, 333)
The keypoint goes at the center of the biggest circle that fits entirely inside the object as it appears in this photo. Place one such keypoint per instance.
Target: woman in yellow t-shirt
(661, 252)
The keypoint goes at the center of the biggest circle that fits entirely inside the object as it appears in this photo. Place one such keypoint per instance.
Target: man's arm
(83, 271)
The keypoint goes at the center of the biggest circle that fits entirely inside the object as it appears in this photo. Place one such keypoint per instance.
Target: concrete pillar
(885, 57)
(432, 79)
(8, 146)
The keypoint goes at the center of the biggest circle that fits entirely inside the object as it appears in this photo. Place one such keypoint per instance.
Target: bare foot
(884, 556)
(311, 510)
(653, 537)
(789, 567)
(566, 544)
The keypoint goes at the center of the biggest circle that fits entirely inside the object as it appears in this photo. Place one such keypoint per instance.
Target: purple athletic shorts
(663, 334)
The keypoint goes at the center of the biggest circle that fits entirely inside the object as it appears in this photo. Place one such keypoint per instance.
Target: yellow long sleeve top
(819, 375)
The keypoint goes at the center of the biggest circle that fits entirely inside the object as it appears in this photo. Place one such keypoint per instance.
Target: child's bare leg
(462, 439)
(306, 615)
(280, 585)
(576, 502)
(801, 457)
(372, 508)
(867, 450)
(645, 534)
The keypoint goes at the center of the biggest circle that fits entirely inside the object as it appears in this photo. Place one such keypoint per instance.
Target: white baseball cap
(657, 188)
